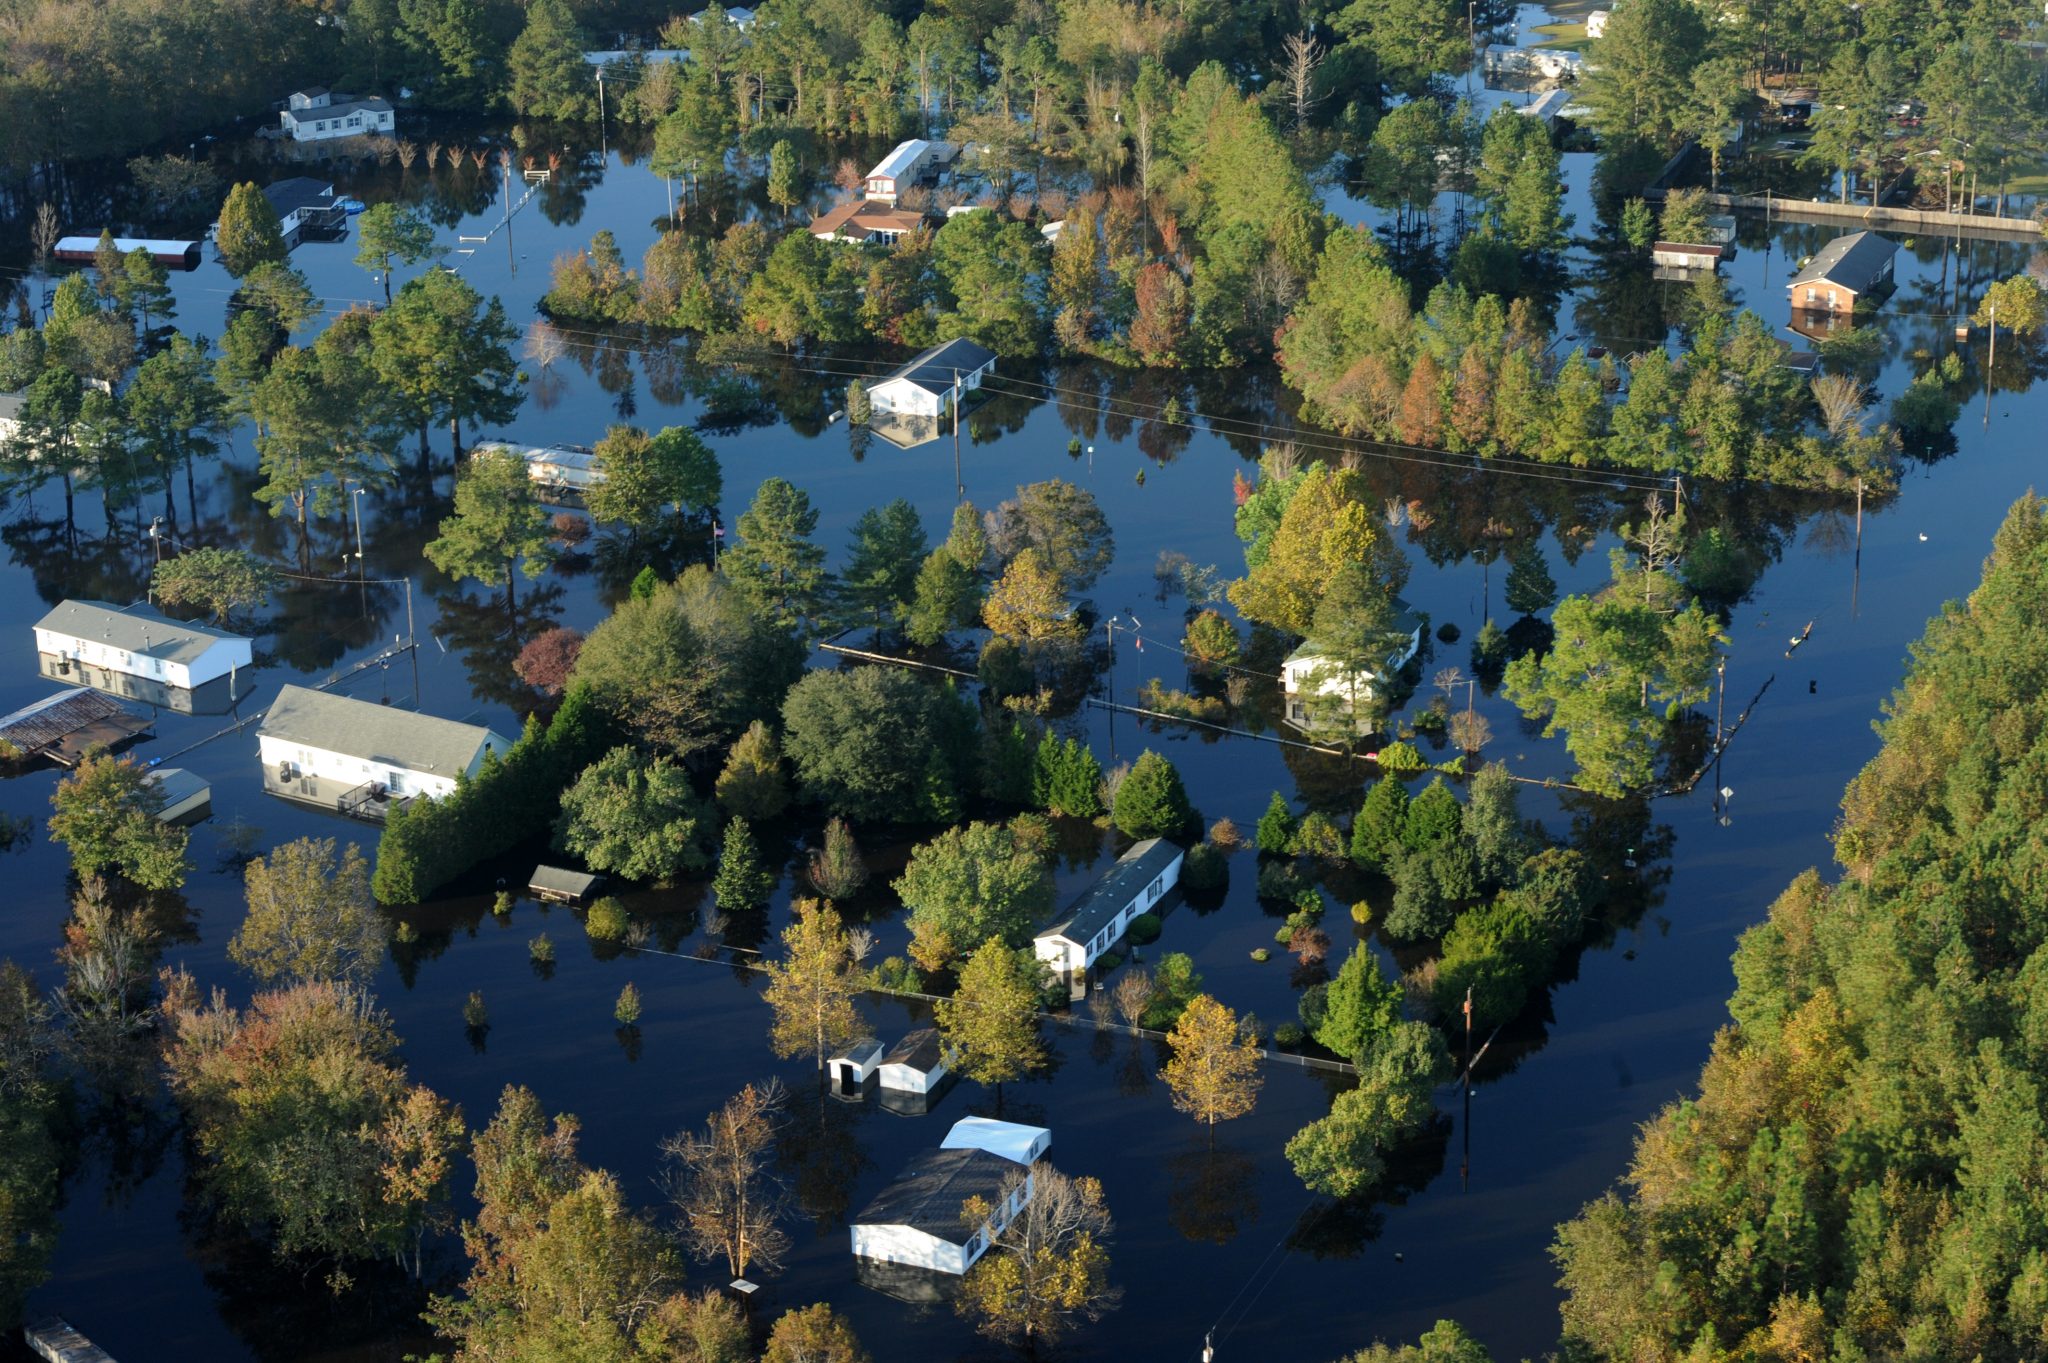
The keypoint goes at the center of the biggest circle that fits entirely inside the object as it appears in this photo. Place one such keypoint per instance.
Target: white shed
(918, 1221)
(362, 758)
(915, 1064)
(186, 796)
(927, 385)
(853, 1066)
(1098, 920)
(138, 641)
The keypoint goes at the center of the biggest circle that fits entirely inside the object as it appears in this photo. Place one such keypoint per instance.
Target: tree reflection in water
(1213, 1194)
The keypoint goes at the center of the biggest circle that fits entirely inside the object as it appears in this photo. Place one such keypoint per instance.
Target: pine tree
(1376, 832)
(1435, 817)
(1275, 836)
(785, 188)
(1066, 778)
(775, 563)
(742, 881)
(1151, 802)
(1214, 1074)
(546, 74)
(1530, 587)
(752, 784)
(1359, 1006)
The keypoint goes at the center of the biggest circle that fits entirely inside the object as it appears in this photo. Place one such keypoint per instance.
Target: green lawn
(1565, 36)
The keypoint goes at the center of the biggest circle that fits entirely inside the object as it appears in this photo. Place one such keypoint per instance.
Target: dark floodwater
(1221, 1237)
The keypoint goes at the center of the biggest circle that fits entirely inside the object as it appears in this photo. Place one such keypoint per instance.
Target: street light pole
(356, 497)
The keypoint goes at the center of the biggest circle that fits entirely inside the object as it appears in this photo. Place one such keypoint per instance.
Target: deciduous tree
(1214, 1073)
(1047, 1271)
(812, 987)
(729, 1203)
(969, 886)
(106, 815)
(634, 816)
(991, 1022)
(310, 916)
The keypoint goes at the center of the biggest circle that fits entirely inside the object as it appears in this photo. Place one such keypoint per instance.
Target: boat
(350, 205)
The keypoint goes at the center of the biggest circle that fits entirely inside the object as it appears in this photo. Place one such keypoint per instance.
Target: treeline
(1861, 1173)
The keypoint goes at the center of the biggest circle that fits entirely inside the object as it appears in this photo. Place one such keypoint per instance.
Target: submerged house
(306, 207)
(1317, 688)
(929, 384)
(360, 758)
(1843, 273)
(1098, 920)
(917, 1234)
(172, 255)
(864, 220)
(551, 468)
(142, 654)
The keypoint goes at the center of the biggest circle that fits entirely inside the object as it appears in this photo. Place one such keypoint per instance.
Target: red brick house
(1842, 273)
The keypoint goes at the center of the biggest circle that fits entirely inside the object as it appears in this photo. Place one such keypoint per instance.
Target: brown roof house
(867, 220)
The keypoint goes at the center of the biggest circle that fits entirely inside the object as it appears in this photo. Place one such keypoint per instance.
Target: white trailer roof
(1014, 1142)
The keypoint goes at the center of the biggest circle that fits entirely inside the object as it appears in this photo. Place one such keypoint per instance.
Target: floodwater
(1209, 1236)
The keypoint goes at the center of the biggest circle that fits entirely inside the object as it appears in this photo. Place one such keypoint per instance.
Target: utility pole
(1991, 363)
(505, 160)
(1720, 701)
(1856, 572)
(1109, 625)
(959, 483)
(412, 644)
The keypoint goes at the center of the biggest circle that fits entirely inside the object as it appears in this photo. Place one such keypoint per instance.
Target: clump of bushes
(606, 920)
(1280, 881)
(1153, 695)
(541, 949)
(1402, 759)
(1262, 954)
(1288, 1034)
(900, 975)
(1108, 961)
(1144, 929)
(1206, 868)
(502, 905)
(474, 1014)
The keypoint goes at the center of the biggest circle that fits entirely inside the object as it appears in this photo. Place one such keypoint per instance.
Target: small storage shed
(853, 1066)
(559, 885)
(1098, 920)
(1682, 256)
(915, 1064)
(927, 385)
(187, 797)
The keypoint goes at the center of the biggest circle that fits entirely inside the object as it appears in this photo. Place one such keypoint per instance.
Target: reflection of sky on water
(1550, 1131)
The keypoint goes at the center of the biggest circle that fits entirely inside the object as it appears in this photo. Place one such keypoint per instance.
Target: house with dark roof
(1098, 920)
(360, 758)
(920, 1222)
(932, 382)
(1842, 273)
(306, 207)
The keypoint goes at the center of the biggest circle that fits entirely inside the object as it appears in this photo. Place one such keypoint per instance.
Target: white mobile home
(919, 1221)
(1098, 920)
(136, 641)
(928, 384)
(903, 167)
(555, 468)
(362, 758)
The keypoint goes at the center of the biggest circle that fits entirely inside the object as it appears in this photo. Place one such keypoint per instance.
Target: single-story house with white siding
(926, 386)
(918, 1221)
(137, 641)
(554, 468)
(361, 758)
(1098, 920)
(317, 114)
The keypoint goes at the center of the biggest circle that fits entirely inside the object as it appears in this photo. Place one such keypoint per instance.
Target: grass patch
(1562, 37)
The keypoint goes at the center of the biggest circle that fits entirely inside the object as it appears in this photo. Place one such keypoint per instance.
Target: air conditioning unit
(284, 772)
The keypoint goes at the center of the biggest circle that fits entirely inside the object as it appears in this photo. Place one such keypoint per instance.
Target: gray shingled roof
(136, 629)
(376, 733)
(928, 1194)
(935, 370)
(1101, 902)
(11, 405)
(1855, 262)
(300, 191)
(919, 1049)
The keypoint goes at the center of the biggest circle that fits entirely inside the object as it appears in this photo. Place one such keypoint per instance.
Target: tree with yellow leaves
(1047, 1270)
(1327, 526)
(812, 988)
(1214, 1073)
(1027, 604)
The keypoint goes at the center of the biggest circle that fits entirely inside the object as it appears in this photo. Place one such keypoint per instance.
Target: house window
(321, 126)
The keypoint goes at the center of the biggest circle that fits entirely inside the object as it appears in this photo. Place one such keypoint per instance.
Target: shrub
(1447, 632)
(1361, 913)
(900, 975)
(1279, 881)
(1211, 639)
(502, 905)
(1206, 868)
(606, 920)
(474, 1014)
(1144, 930)
(1155, 695)
(1108, 961)
(1289, 1034)
(541, 948)
(1225, 835)
(1431, 722)
(1262, 954)
(626, 1012)
(1401, 759)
